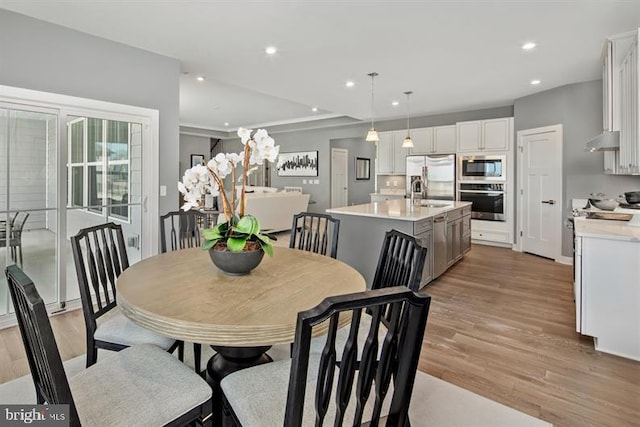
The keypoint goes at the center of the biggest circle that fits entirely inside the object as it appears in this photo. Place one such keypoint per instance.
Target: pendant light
(372, 135)
(408, 142)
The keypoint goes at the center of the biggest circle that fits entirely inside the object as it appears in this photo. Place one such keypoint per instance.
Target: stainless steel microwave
(482, 168)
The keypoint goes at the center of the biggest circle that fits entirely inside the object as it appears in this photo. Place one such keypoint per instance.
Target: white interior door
(339, 177)
(540, 152)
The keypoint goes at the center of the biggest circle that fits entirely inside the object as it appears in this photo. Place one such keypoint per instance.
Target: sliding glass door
(61, 172)
(28, 197)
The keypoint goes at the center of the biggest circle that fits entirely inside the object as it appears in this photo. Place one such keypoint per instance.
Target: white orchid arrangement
(209, 179)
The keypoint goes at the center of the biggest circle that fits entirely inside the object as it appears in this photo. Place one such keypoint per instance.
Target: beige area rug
(434, 402)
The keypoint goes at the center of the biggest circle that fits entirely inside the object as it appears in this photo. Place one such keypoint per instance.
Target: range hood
(606, 141)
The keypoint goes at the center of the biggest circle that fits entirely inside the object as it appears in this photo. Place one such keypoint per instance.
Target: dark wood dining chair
(315, 232)
(100, 256)
(141, 385)
(400, 263)
(15, 235)
(310, 388)
(180, 230)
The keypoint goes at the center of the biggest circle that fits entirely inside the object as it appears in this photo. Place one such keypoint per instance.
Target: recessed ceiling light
(528, 46)
(271, 50)
(395, 103)
(349, 84)
(314, 109)
(226, 123)
(535, 82)
(200, 78)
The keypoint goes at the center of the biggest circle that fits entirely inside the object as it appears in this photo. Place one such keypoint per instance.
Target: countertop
(618, 230)
(401, 209)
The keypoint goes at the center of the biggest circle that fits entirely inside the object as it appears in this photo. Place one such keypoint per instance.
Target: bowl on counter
(632, 197)
(604, 204)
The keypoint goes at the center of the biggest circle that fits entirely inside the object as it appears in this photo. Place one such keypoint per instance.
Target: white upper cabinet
(620, 101)
(434, 140)
(444, 139)
(485, 135)
(422, 141)
(391, 157)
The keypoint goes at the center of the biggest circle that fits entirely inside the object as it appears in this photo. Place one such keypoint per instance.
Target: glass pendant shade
(407, 142)
(372, 136)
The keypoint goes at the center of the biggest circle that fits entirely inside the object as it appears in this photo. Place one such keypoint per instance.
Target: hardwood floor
(501, 325)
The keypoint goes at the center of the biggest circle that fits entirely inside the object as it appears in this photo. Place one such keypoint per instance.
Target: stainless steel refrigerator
(440, 175)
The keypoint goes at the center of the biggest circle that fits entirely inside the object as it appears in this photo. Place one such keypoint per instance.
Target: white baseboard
(490, 243)
(565, 260)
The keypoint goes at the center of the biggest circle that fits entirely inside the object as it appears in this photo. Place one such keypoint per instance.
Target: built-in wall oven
(482, 168)
(488, 199)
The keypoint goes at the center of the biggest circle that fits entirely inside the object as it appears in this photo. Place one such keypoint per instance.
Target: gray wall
(46, 57)
(578, 107)
(359, 190)
(191, 144)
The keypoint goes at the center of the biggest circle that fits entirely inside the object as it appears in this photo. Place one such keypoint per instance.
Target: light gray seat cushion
(258, 395)
(317, 343)
(141, 385)
(115, 327)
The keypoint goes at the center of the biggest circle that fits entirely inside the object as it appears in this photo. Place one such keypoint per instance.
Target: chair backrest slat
(42, 352)
(100, 256)
(398, 361)
(315, 232)
(181, 229)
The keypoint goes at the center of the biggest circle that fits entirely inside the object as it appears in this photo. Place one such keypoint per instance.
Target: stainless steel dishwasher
(439, 245)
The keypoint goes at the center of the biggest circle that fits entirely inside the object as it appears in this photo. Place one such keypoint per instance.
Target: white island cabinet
(607, 285)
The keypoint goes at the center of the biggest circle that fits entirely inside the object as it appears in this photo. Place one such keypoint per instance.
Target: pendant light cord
(373, 75)
(408, 128)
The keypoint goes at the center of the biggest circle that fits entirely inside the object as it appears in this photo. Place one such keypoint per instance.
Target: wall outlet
(387, 183)
(304, 181)
(163, 190)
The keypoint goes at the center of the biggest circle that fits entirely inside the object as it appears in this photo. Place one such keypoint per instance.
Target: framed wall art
(363, 168)
(299, 163)
(197, 159)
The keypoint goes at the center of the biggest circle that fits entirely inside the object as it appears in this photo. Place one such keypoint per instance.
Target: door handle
(549, 202)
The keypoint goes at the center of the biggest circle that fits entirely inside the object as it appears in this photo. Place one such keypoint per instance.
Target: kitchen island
(441, 226)
(606, 285)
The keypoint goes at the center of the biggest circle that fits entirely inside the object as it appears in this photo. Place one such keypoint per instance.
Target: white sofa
(274, 209)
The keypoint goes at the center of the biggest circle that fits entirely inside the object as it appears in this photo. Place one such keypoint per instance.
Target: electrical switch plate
(316, 181)
(304, 181)
(163, 190)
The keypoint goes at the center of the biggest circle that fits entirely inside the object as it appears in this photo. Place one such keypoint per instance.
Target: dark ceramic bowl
(236, 263)
(632, 197)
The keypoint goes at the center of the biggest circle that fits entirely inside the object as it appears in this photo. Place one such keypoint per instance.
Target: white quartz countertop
(606, 229)
(401, 209)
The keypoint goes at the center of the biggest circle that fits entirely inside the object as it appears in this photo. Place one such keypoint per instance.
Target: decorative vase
(236, 263)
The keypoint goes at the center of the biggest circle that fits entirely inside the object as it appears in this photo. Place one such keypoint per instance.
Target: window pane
(118, 140)
(94, 140)
(76, 142)
(77, 186)
(118, 182)
(96, 193)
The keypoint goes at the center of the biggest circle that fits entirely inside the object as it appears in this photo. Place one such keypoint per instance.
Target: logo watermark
(37, 415)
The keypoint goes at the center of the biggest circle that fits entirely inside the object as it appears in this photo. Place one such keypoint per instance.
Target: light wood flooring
(502, 325)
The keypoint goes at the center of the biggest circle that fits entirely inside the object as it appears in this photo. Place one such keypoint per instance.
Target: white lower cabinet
(607, 292)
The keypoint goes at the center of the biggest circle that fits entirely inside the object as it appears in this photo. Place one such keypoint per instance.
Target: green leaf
(267, 248)
(248, 224)
(208, 244)
(263, 238)
(211, 234)
(236, 244)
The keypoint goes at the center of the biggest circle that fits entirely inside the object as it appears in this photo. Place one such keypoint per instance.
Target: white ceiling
(454, 55)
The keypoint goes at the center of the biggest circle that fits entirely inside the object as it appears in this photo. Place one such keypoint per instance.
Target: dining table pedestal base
(228, 360)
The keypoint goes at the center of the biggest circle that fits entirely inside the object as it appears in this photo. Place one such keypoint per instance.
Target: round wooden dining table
(181, 294)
